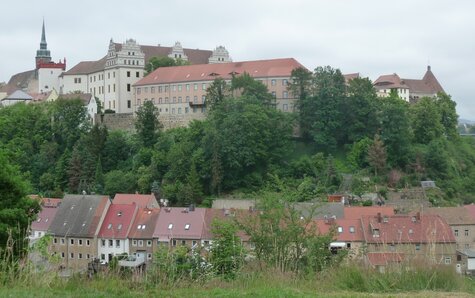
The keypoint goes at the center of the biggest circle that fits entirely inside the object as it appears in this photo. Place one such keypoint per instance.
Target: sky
(372, 37)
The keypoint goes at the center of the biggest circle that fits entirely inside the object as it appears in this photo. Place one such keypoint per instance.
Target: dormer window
(340, 229)
(109, 226)
(376, 233)
(119, 227)
(187, 226)
(170, 226)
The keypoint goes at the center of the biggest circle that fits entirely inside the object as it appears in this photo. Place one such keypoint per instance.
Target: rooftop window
(170, 226)
(109, 226)
(187, 226)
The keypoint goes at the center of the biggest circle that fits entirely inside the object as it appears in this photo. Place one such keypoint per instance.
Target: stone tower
(43, 55)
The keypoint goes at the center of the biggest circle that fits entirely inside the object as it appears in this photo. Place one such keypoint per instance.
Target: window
(456, 232)
(149, 243)
(193, 243)
(149, 256)
(285, 82)
(109, 226)
(71, 255)
(80, 242)
(352, 229)
(117, 243)
(129, 104)
(392, 247)
(139, 90)
(103, 242)
(418, 247)
(174, 99)
(103, 256)
(119, 227)
(88, 256)
(137, 74)
(152, 89)
(173, 110)
(62, 255)
(55, 240)
(128, 87)
(145, 89)
(179, 99)
(140, 242)
(448, 260)
(187, 109)
(71, 241)
(128, 74)
(187, 87)
(203, 99)
(179, 110)
(466, 233)
(375, 232)
(340, 229)
(88, 242)
(183, 242)
(272, 82)
(179, 87)
(274, 95)
(203, 86)
(80, 256)
(195, 99)
(134, 243)
(174, 242)
(187, 226)
(195, 86)
(285, 94)
(174, 88)
(159, 89)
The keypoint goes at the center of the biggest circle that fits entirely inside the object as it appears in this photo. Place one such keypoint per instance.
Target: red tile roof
(453, 215)
(117, 221)
(356, 212)
(142, 201)
(50, 202)
(221, 214)
(87, 67)
(179, 223)
(44, 219)
(384, 258)
(208, 72)
(471, 210)
(144, 224)
(407, 229)
(325, 225)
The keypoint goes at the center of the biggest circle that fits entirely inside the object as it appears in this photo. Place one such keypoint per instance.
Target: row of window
(140, 243)
(137, 74)
(351, 229)
(173, 88)
(72, 241)
(175, 99)
(110, 242)
(456, 233)
(79, 256)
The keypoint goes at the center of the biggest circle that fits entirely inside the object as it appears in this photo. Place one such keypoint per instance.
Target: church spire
(43, 55)
(43, 44)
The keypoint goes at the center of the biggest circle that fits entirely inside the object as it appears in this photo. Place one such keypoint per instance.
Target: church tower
(43, 55)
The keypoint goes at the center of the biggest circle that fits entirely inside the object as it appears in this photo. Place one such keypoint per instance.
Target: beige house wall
(464, 236)
(75, 256)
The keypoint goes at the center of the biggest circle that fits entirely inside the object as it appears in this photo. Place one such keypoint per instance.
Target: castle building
(42, 79)
(409, 89)
(179, 92)
(111, 78)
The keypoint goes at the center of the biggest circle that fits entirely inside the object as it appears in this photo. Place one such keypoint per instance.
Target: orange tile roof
(141, 200)
(356, 212)
(325, 225)
(208, 72)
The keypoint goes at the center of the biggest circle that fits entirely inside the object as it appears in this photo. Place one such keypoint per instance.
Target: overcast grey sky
(372, 37)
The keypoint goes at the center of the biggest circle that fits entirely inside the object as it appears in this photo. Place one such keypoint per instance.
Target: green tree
(147, 124)
(377, 155)
(246, 86)
(119, 182)
(426, 121)
(227, 253)
(99, 178)
(69, 121)
(216, 92)
(163, 61)
(17, 211)
(448, 114)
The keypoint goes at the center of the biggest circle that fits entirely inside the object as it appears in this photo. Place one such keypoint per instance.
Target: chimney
(191, 208)
(380, 218)
(418, 216)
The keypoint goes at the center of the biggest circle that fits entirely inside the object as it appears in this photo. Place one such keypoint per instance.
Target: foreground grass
(342, 282)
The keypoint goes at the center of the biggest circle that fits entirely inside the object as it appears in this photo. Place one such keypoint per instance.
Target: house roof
(87, 67)
(389, 81)
(50, 202)
(41, 96)
(468, 252)
(18, 95)
(78, 215)
(320, 210)
(453, 215)
(144, 224)
(471, 210)
(350, 76)
(325, 226)
(407, 229)
(356, 212)
(84, 97)
(44, 219)
(194, 56)
(427, 85)
(142, 201)
(384, 258)
(117, 221)
(22, 80)
(208, 72)
(179, 223)
(220, 214)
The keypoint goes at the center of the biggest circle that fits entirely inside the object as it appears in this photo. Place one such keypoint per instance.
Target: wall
(116, 121)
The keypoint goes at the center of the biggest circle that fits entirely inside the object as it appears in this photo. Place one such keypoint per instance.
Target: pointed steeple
(43, 44)
(430, 80)
(43, 55)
